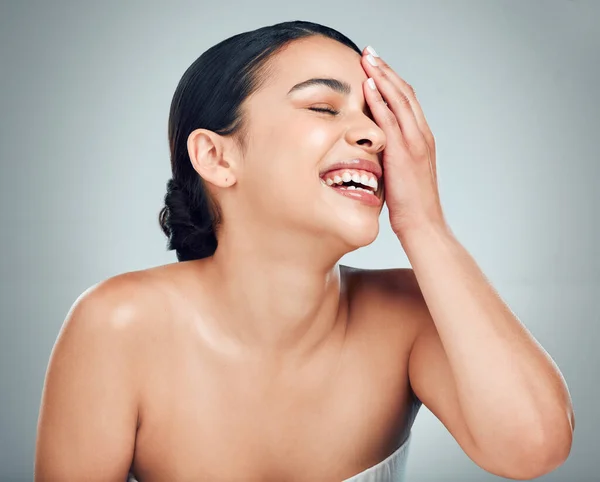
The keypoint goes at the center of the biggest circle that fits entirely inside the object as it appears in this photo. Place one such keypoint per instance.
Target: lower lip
(367, 198)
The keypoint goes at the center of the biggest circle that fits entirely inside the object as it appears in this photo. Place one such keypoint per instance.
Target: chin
(356, 231)
(352, 223)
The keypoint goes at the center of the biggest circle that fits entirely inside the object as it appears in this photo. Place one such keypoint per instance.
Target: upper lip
(356, 163)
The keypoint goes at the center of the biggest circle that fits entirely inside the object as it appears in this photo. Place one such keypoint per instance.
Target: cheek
(317, 138)
(285, 158)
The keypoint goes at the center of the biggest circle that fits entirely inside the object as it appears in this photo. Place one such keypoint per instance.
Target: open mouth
(356, 183)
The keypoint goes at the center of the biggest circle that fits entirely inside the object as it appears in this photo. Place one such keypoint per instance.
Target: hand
(409, 164)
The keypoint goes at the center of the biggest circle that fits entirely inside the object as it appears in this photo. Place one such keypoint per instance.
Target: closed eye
(323, 109)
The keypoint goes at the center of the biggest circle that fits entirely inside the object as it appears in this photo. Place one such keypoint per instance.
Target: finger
(384, 117)
(409, 92)
(399, 104)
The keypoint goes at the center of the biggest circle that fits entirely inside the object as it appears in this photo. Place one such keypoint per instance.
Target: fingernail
(372, 60)
(372, 51)
(371, 83)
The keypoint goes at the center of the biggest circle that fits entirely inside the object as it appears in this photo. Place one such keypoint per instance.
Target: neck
(280, 296)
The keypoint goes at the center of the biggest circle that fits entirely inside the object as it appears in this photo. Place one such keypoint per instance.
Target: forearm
(508, 387)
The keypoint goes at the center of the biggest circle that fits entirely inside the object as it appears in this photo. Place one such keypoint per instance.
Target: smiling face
(292, 140)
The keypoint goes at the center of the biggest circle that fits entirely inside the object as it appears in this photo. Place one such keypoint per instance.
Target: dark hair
(210, 95)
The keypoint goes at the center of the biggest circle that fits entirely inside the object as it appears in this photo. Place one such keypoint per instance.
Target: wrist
(414, 236)
(423, 230)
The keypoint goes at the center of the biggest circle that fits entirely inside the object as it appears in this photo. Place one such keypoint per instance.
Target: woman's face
(289, 145)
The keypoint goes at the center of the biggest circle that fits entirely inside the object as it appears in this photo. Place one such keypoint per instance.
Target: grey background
(510, 89)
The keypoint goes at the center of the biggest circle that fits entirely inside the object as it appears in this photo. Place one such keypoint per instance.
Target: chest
(298, 437)
(328, 419)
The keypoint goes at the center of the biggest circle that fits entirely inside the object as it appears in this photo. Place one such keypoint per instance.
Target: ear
(210, 156)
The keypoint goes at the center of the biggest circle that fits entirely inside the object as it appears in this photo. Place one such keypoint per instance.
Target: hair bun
(190, 231)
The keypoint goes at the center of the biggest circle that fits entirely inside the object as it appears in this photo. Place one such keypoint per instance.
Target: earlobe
(207, 155)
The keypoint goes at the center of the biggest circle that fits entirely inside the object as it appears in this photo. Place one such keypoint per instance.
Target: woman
(261, 357)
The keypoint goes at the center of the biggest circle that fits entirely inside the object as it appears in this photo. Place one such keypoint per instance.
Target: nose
(366, 134)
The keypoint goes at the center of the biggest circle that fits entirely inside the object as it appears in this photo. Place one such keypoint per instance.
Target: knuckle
(430, 138)
(389, 119)
(420, 149)
(404, 99)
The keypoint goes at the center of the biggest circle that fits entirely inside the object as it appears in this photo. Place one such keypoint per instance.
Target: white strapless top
(391, 469)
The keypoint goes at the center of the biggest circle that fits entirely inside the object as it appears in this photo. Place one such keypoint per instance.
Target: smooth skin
(269, 360)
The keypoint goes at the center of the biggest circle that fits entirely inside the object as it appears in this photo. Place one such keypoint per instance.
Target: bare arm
(88, 415)
(480, 371)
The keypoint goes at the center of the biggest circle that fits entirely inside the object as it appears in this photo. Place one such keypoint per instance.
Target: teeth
(363, 179)
(352, 188)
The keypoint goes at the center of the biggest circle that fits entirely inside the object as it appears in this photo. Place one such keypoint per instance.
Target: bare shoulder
(385, 281)
(118, 313)
(90, 403)
(394, 295)
(117, 304)
(391, 303)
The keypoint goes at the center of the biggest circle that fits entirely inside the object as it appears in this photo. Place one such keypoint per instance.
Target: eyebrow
(337, 85)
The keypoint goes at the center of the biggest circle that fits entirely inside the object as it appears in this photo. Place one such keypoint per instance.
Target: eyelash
(322, 109)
